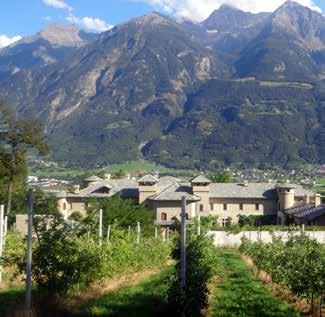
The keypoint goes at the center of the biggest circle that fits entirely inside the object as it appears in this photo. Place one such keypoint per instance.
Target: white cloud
(6, 41)
(47, 18)
(201, 9)
(89, 23)
(58, 4)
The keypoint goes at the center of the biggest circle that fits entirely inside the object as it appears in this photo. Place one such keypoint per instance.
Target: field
(235, 292)
(132, 274)
(239, 293)
(320, 186)
(134, 168)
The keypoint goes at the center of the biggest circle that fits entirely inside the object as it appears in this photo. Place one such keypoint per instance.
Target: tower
(148, 186)
(201, 187)
(286, 197)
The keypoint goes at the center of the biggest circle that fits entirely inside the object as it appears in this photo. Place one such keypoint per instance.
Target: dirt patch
(211, 286)
(97, 291)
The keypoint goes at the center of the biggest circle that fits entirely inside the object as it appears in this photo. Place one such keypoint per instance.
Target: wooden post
(100, 233)
(183, 247)
(164, 234)
(183, 244)
(2, 208)
(29, 250)
(129, 230)
(138, 233)
(303, 228)
(156, 232)
(108, 232)
(199, 225)
(167, 234)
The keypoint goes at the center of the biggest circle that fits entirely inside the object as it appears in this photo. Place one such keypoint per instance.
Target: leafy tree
(20, 135)
(61, 259)
(76, 216)
(122, 213)
(119, 174)
(223, 177)
(201, 266)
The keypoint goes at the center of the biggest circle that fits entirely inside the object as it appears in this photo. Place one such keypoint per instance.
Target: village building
(163, 195)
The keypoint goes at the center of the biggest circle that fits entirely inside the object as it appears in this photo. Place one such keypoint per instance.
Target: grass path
(239, 293)
(147, 298)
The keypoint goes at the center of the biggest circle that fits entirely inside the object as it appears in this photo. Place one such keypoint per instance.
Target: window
(211, 207)
(225, 222)
(241, 206)
(163, 216)
(257, 206)
(201, 207)
(224, 206)
(64, 206)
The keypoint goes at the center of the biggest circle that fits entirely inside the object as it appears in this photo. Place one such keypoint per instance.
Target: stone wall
(227, 239)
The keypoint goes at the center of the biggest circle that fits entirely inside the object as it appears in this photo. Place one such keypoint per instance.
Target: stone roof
(307, 212)
(171, 188)
(93, 178)
(201, 179)
(249, 190)
(175, 192)
(128, 188)
(148, 179)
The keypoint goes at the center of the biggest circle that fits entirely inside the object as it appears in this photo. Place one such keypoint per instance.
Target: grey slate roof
(171, 188)
(249, 190)
(306, 211)
(175, 192)
(201, 179)
(93, 178)
(148, 179)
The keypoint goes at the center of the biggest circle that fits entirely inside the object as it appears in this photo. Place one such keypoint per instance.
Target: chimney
(107, 176)
(317, 200)
(76, 189)
(306, 199)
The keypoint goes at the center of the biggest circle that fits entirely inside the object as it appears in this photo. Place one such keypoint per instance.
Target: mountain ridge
(176, 93)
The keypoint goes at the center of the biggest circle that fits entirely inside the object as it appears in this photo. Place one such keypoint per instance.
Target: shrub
(76, 216)
(201, 266)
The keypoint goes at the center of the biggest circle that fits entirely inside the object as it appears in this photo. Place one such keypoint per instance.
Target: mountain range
(236, 88)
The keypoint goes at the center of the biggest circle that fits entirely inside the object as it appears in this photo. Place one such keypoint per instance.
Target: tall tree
(20, 135)
(223, 177)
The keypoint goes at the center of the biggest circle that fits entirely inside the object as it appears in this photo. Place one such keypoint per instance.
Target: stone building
(163, 195)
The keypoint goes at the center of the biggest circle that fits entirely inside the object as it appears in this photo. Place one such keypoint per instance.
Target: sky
(19, 18)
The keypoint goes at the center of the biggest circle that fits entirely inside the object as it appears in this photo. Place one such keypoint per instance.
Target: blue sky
(24, 17)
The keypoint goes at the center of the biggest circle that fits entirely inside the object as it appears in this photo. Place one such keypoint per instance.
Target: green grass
(321, 182)
(147, 298)
(9, 298)
(135, 168)
(239, 293)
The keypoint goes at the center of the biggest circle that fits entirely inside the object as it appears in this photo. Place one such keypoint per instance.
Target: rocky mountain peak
(228, 18)
(62, 35)
(306, 25)
(153, 18)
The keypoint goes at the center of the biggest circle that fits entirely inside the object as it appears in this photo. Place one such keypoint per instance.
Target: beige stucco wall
(172, 209)
(146, 191)
(204, 193)
(72, 205)
(266, 207)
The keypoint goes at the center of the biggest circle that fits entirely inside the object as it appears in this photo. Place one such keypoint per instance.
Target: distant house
(163, 196)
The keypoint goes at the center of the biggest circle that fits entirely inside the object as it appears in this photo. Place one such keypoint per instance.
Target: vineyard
(297, 265)
(77, 272)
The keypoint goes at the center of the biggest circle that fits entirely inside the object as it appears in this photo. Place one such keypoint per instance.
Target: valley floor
(236, 292)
